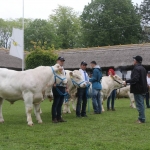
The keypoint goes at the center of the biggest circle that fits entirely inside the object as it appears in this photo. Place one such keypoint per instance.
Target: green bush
(40, 57)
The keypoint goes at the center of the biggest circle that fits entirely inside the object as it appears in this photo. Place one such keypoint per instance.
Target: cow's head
(59, 74)
(77, 78)
(118, 82)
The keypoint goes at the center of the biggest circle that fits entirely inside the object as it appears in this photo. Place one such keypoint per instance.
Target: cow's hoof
(30, 124)
(1, 121)
(64, 112)
(69, 112)
(40, 122)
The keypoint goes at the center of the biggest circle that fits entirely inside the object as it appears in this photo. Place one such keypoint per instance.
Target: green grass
(108, 131)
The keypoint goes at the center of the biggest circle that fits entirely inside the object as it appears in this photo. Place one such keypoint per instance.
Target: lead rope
(59, 92)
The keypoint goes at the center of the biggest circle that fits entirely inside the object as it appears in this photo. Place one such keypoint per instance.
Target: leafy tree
(40, 57)
(67, 26)
(144, 11)
(106, 22)
(6, 27)
(39, 31)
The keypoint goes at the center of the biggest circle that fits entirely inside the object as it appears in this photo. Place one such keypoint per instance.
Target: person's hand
(54, 84)
(88, 83)
(67, 90)
(124, 83)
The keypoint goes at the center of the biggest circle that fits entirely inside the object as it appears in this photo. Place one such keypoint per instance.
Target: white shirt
(148, 81)
(82, 73)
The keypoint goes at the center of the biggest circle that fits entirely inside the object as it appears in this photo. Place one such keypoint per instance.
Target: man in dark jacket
(138, 86)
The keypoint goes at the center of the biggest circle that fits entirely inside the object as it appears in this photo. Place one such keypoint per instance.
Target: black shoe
(113, 109)
(84, 116)
(61, 120)
(78, 116)
(148, 106)
(55, 121)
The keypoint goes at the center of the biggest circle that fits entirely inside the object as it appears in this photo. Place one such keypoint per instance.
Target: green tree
(6, 27)
(39, 31)
(40, 57)
(106, 22)
(144, 11)
(67, 26)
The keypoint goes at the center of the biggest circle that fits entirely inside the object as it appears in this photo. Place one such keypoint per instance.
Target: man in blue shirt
(96, 87)
(82, 93)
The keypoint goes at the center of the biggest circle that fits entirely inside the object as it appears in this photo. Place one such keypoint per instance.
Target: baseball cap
(138, 59)
(84, 63)
(61, 58)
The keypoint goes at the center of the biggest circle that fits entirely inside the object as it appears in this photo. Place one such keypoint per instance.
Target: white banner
(16, 48)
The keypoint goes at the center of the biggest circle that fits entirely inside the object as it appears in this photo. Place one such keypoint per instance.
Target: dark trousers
(82, 98)
(147, 99)
(57, 102)
(112, 98)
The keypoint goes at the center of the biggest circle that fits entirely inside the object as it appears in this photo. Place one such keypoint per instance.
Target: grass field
(108, 131)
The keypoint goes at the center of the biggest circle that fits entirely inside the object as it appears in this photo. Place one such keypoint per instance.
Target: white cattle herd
(32, 86)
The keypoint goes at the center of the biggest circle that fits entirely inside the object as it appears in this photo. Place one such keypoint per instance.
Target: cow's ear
(56, 67)
(71, 74)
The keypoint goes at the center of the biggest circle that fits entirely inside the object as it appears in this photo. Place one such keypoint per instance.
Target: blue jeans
(139, 100)
(97, 106)
(112, 97)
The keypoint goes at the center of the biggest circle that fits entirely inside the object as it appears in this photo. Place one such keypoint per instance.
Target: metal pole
(23, 35)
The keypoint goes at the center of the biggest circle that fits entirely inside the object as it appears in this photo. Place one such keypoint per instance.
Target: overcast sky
(39, 8)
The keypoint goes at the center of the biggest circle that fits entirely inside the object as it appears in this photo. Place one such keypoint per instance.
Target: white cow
(125, 92)
(29, 86)
(109, 83)
(75, 80)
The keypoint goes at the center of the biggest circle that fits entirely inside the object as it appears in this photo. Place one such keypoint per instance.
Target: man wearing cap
(96, 87)
(148, 87)
(82, 93)
(58, 98)
(138, 86)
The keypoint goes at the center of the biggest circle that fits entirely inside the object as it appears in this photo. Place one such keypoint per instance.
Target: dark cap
(148, 72)
(84, 63)
(61, 58)
(138, 59)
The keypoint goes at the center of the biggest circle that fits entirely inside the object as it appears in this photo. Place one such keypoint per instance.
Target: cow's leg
(28, 100)
(37, 110)
(1, 114)
(131, 97)
(68, 107)
(102, 102)
(74, 104)
(65, 107)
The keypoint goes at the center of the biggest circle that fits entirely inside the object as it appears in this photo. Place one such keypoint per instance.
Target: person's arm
(135, 78)
(94, 76)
